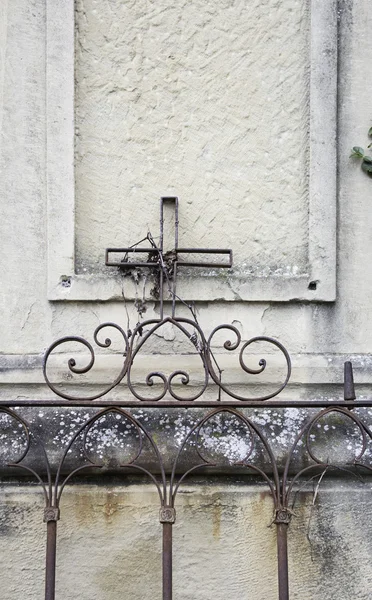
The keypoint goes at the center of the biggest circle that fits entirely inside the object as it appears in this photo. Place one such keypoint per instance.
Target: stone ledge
(306, 368)
(224, 440)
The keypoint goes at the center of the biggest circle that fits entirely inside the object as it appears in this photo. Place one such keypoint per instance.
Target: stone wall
(223, 543)
(221, 108)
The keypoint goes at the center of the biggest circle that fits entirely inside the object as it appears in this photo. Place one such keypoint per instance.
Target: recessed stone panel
(208, 101)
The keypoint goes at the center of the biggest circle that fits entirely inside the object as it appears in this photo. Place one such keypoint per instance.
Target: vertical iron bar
(50, 565)
(176, 221)
(174, 278)
(161, 225)
(167, 561)
(161, 292)
(161, 283)
(282, 545)
(167, 516)
(174, 284)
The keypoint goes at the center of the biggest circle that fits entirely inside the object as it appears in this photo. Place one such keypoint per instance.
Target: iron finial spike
(349, 389)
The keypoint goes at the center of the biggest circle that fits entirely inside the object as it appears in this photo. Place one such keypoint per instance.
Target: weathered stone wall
(223, 543)
(222, 94)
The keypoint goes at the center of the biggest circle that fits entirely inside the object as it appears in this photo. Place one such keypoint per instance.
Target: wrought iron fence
(281, 478)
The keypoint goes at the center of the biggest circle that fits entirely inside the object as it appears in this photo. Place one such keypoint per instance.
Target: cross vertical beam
(166, 263)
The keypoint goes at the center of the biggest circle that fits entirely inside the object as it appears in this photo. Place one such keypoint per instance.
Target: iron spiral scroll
(202, 346)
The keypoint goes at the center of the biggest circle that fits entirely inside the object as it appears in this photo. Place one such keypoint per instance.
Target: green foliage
(358, 153)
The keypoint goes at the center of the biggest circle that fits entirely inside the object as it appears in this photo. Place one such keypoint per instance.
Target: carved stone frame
(319, 284)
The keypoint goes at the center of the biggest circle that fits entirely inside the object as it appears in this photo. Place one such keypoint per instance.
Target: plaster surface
(184, 98)
(329, 547)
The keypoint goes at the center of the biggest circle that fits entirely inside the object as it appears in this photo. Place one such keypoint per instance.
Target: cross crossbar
(166, 263)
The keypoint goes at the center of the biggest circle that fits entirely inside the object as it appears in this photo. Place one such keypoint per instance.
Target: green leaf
(367, 159)
(357, 152)
(367, 168)
(370, 132)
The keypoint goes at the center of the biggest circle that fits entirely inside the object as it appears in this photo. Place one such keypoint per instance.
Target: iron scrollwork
(202, 347)
(166, 269)
(85, 369)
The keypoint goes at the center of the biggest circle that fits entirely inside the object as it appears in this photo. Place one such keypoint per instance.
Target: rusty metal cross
(165, 262)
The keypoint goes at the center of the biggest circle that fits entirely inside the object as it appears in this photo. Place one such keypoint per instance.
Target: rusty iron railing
(280, 482)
